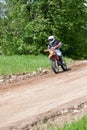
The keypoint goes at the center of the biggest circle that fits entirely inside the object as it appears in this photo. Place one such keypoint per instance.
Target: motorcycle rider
(56, 45)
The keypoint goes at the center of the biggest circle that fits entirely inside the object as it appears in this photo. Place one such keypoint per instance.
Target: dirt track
(21, 101)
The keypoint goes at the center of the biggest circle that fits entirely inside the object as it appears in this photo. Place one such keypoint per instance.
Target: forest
(26, 24)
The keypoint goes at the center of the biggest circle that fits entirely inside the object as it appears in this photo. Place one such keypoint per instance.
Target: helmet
(51, 39)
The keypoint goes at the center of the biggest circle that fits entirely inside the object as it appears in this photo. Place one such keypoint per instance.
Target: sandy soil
(25, 102)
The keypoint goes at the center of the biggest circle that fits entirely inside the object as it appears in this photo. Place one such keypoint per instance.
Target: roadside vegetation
(24, 63)
(80, 124)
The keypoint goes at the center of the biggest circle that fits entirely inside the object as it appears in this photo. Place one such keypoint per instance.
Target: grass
(76, 125)
(23, 63)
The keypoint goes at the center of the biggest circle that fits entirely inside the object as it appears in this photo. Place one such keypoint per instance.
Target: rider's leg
(61, 59)
(59, 53)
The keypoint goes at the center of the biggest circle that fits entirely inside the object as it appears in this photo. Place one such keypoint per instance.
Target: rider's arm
(58, 45)
(48, 49)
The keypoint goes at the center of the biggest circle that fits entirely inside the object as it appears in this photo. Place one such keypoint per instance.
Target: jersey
(53, 44)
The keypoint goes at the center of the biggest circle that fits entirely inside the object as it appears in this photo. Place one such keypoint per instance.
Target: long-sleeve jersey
(53, 44)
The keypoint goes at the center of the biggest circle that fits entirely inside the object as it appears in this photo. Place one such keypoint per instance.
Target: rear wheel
(55, 66)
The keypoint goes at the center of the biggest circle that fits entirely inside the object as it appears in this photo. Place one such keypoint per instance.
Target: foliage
(27, 24)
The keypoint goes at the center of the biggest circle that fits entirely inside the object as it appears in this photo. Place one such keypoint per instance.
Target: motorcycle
(56, 61)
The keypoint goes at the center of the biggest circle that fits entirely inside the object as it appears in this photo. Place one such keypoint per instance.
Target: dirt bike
(56, 61)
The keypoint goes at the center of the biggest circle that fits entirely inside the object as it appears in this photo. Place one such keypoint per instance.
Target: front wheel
(55, 66)
(64, 66)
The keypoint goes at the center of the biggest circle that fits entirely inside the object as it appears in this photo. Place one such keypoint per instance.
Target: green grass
(76, 125)
(23, 63)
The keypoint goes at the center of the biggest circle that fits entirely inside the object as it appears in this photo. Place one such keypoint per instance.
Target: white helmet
(51, 39)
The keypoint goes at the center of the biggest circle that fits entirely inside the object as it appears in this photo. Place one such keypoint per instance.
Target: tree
(29, 23)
